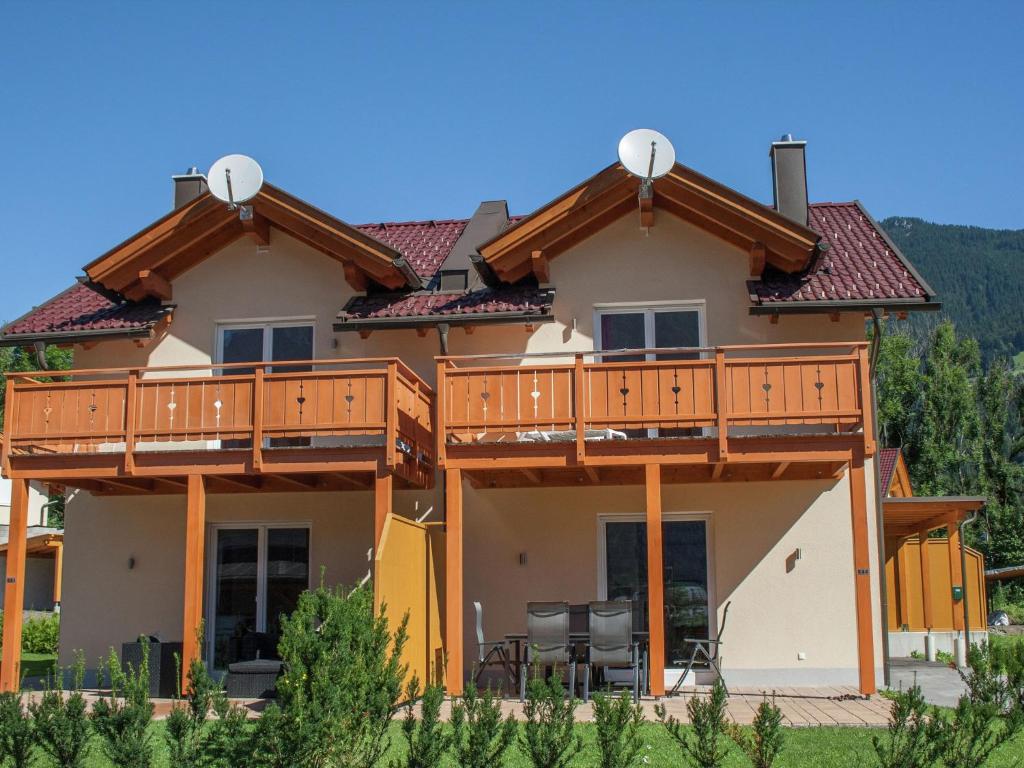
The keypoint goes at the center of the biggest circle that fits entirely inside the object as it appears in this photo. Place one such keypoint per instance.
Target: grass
(1004, 641)
(805, 748)
(37, 664)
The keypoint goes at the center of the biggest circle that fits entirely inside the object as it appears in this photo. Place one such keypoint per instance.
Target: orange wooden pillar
(655, 582)
(956, 572)
(383, 484)
(926, 579)
(862, 575)
(195, 538)
(58, 573)
(903, 581)
(14, 589)
(453, 582)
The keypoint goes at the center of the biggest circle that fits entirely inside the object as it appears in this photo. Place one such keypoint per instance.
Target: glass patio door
(685, 561)
(258, 573)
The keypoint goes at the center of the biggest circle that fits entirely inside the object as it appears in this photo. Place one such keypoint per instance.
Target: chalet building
(665, 399)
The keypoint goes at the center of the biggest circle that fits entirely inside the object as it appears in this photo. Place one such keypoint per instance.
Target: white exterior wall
(774, 615)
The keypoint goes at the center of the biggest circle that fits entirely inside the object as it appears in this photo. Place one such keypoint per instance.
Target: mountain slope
(978, 274)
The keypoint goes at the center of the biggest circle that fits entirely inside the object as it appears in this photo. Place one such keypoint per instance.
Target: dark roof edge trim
(56, 337)
(420, 321)
(929, 291)
(827, 307)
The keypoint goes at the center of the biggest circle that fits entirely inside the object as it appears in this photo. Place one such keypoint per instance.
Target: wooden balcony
(314, 424)
(738, 412)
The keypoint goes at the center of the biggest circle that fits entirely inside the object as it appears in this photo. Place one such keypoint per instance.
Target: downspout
(40, 349)
(963, 577)
(883, 587)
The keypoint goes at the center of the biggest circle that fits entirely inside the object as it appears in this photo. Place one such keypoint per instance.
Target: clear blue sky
(391, 111)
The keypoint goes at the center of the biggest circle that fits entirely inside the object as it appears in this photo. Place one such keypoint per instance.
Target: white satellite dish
(235, 179)
(647, 154)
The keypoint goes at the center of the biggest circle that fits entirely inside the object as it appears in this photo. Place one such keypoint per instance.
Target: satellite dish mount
(648, 155)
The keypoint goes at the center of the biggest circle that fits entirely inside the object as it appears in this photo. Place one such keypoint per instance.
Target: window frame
(649, 309)
(264, 324)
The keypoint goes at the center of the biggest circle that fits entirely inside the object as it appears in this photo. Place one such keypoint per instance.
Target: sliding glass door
(257, 574)
(685, 556)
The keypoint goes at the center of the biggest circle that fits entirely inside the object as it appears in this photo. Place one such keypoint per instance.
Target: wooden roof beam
(539, 265)
(758, 256)
(355, 277)
(151, 283)
(257, 228)
(647, 211)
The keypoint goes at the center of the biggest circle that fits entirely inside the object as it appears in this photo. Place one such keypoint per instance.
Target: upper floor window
(647, 327)
(247, 342)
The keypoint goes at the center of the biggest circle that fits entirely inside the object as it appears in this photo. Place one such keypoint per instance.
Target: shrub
(17, 735)
(186, 723)
(122, 719)
(480, 737)
(426, 740)
(969, 738)
(342, 679)
(910, 741)
(704, 747)
(549, 739)
(763, 742)
(41, 635)
(62, 722)
(618, 723)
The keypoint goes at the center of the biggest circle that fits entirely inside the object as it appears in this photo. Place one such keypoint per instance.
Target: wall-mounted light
(131, 563)
(522, 558)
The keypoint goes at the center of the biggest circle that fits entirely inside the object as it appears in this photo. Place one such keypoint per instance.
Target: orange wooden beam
(956, 573)
(862, 575)
(655, 582)
(903, 580)
(383, 484)
(758, 258)
(647, 211)
(195, 537)
(58, 572)
(257, 228)
(453, 581)
(14, 589)
(926, 580)
(539, 265)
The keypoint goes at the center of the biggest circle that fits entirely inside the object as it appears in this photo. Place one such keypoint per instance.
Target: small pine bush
(122, 719)
(704, 746)
(62, 721)
(17, 734)
(618, 722)
(426, 740)
(762, 743)
(480, 737)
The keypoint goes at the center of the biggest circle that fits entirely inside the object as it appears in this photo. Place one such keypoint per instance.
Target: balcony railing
(305, 403)
(655, 393)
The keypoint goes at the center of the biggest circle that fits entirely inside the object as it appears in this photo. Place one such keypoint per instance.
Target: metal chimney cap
(192, 173)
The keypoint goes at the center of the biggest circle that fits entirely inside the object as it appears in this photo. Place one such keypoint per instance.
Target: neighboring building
(926, 613)
(45, 549)
(729, 455)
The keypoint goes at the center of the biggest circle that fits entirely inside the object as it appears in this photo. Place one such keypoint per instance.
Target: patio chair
(709, 650)
(490, 653)
(611, 642)
(547, 642)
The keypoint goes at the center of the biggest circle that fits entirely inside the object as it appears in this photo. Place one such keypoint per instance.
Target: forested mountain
(978, 274)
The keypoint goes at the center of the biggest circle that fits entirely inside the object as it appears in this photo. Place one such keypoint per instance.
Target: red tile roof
(887, 458)
(424, 243)
(86, 306)
(861, 264)
(512, 299)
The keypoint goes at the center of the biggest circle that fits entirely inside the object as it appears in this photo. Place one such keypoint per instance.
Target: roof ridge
(411, 223)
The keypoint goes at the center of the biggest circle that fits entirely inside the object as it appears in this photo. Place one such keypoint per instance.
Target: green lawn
(1005, 641)
(805, 748)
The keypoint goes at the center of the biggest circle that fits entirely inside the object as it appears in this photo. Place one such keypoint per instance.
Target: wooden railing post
(440, 404)
(9, 427)
(130, 400)
(866, 402)
(391, 415)
(257, 418)
(721, 405)
(579, 408)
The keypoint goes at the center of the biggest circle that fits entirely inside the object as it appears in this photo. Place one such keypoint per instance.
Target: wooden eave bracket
(355, 277)
(257, 228)
(758, 259)
(150, 283)
(646, 210)
(539, 266)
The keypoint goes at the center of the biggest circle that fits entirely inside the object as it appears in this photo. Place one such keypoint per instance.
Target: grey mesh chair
(704, 652)
(547, 642)
(491, 653)
(611, 642)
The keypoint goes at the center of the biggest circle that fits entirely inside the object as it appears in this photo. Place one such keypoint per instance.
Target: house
(44, 547)
(446, 405)
(933, 583)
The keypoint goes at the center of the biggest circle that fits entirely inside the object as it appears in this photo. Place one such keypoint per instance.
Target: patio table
(518, 641)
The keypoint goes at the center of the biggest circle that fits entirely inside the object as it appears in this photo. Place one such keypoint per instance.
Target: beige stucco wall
(755, 527)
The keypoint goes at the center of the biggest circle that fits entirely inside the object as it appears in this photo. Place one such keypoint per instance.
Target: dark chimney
(789, 178)
(188, 186)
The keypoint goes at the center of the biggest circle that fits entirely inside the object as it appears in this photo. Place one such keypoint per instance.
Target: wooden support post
(655, 582)
(14, 589)
(129, 422)
(956, 573)
(721, 405)
(866, 402)
(926, 579)
(903, 581)
(58, 572)
(453, 582)
(383, 484)
(10, 426)
(195, 538)
(391, 415)
(862, 575)
(581, 424)
(257, 419)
